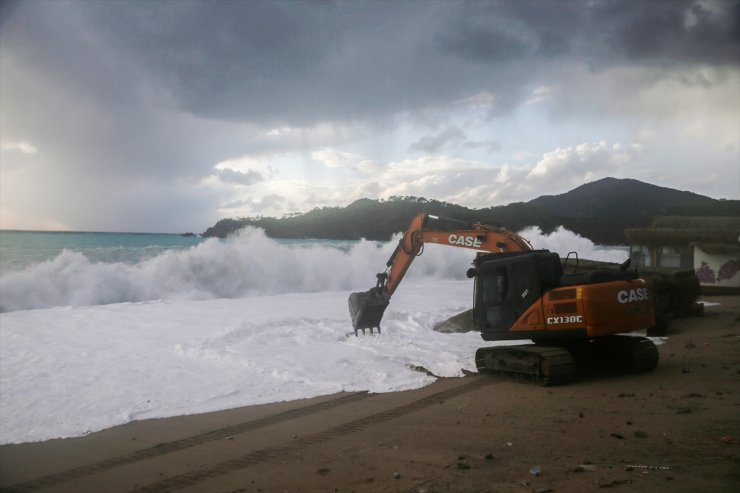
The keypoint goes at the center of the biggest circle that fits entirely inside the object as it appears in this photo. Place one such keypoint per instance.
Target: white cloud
(541, 94)
(581, 162)
(19, 146)
(333, 158)
(483, 99)
(245, 164)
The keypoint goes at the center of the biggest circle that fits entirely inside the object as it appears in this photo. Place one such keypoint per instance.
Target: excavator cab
(506, 285)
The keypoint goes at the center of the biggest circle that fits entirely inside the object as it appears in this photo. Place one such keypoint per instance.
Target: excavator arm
(367, 308)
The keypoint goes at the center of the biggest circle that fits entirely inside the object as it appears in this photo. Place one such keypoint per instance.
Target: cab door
(505, 289)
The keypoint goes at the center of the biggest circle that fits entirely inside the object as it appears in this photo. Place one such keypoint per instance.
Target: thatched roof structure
(680, 230)
(719, 249)
(698, 222)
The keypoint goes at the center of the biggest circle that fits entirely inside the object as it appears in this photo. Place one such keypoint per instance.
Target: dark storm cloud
(672, 32)
(601, 32)
(451, 137)
(433, 143)
(293, 63)
(137, 92)
(260, 61)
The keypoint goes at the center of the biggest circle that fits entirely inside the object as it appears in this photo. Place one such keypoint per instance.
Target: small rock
(683, 410)
(640, 434)
(489, 457)
(463, 465)
(324, 471)
(463, 457)
(396, 475)
(617, 435)
(616, 482)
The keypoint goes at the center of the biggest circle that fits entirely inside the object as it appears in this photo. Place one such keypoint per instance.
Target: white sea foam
(244, 265)
(563, 241)
(68, 371)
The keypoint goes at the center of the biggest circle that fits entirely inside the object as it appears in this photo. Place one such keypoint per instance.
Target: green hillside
(600, 211)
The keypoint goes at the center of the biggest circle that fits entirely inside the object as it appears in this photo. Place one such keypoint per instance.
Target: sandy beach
(674, 429)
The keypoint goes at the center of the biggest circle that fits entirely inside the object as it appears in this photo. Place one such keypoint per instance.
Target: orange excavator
(572, 321)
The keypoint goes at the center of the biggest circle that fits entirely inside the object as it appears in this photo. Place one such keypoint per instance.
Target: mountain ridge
(600, 210)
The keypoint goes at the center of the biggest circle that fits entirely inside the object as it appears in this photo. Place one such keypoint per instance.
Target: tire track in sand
(181, 444)
(270, 453)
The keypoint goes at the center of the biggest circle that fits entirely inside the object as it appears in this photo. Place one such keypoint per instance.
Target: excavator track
(634, 354)
(548, 365)
(543, 365)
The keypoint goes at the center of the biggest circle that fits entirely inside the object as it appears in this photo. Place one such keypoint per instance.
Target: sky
(168, 116)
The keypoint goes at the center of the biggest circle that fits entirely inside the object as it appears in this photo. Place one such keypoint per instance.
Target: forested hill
(600, 211)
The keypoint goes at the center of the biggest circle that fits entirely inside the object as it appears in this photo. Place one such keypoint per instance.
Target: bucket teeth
(366, 310)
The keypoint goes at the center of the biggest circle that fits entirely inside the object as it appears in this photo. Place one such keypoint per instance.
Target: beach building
(708, 245)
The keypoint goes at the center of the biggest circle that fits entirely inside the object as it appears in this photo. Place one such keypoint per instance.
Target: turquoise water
(22, 249)
(43, 270)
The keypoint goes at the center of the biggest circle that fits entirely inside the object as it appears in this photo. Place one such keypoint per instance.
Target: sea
(41, 269)
(20, 250)
(71, 269)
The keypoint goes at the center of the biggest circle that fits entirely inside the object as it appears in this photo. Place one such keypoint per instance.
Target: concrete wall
(717, 270)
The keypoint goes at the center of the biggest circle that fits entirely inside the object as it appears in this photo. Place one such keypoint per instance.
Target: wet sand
(674, 429)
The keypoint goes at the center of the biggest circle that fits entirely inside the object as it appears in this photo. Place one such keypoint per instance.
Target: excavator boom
(367, 308)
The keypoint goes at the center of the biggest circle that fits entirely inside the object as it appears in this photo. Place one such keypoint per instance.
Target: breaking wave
(244, 265)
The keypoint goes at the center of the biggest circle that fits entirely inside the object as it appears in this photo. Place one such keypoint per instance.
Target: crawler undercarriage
(562, 363)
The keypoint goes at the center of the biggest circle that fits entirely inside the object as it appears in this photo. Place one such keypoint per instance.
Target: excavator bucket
(366, 310)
